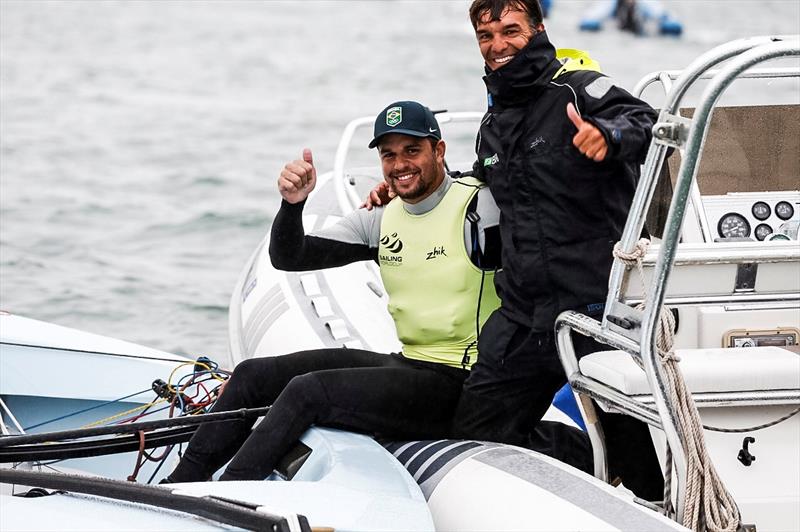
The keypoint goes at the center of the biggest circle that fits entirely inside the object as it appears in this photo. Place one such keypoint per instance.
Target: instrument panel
(762, 216)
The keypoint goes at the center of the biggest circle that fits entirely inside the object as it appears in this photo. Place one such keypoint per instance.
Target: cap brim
(409, 132)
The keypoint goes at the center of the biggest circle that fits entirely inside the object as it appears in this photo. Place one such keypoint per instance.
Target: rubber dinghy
(735, 291)
(331, 479)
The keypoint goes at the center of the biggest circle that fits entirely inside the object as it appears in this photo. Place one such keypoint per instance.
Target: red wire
(139, 461)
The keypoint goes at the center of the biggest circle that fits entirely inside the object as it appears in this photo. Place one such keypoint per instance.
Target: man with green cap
(437, 265)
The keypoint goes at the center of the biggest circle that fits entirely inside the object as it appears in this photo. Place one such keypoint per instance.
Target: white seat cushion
(705, 370)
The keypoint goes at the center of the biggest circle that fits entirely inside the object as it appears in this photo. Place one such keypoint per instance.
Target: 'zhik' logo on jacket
(437, 251)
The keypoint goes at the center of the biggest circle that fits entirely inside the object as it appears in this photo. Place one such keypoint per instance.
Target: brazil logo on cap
(394, 116)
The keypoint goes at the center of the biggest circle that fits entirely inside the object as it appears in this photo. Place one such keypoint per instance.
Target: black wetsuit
(378, 394)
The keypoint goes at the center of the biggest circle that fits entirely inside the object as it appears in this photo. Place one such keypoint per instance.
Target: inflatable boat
(83, 416)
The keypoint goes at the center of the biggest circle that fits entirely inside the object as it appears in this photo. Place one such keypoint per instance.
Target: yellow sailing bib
(433, 286)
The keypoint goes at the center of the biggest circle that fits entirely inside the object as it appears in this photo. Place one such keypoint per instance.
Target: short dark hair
(495, 8)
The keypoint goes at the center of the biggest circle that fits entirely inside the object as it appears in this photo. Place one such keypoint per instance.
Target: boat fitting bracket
(672, 130)
(624, 320)
(746, 274)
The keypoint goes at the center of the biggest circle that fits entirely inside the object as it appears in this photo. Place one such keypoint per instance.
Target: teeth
(505, 59)
(405, 177)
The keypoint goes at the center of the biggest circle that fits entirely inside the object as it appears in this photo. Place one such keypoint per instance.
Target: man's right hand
(298, 178)
(380, 195)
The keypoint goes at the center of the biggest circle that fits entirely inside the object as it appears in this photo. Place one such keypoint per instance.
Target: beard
(416, 192)
(424, 185)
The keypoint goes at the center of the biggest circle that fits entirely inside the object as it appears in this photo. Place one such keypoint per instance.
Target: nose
(400, 164)
(498, 43)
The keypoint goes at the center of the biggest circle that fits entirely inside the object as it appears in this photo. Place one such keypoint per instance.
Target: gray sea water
(140, 141)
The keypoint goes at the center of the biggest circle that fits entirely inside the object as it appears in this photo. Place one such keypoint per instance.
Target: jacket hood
(533, 65)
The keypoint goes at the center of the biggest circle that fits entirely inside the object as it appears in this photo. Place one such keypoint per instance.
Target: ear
(441, 147)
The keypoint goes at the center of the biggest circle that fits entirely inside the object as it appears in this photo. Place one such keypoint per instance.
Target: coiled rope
(708, 504)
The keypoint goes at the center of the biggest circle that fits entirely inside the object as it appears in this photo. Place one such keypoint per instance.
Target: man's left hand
(589, 140)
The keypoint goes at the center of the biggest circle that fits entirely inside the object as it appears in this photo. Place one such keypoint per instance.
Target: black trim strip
(449, 455)
(414, 464)
(215, 508)
(406, 454)
(84, 449)
(242, 413)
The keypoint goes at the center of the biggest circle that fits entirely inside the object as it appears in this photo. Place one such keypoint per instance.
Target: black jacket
(561, 212)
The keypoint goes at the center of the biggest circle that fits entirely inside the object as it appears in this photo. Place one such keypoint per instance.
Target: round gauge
(733, 225)
(777, 236)
(761, 210)
(762, 231)
(784, 210)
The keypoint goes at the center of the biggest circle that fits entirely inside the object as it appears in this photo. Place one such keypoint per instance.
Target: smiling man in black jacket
(560, 148)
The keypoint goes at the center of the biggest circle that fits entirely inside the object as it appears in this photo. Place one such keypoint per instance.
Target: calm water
(140, 141)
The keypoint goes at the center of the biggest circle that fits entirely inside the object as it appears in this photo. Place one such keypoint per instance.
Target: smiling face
(501, 39)
(412, 166)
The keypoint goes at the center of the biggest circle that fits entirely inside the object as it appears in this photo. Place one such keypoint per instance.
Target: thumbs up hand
(298, 178)
(589, 140)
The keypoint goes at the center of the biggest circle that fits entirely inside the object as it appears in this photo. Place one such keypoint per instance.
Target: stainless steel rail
(670, 131)
(672, 230)
(658, 150)
(666, 77)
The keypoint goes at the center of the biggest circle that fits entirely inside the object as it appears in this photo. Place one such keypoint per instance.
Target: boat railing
(671, 130)
(635, 331)
(667, 77)
(346, 192)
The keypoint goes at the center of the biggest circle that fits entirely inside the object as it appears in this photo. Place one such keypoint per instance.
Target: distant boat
(633, 16)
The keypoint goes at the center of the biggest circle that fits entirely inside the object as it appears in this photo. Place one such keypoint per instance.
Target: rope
(708, 504)
(181, 399)
(757, 427)
(122, 414)
(65, 416)
(140, 458)
(215, 373)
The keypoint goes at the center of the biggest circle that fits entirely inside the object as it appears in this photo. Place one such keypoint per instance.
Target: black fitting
(744, 453)
(203, 363)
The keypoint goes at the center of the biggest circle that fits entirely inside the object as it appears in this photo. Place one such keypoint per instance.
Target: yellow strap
(573, 59)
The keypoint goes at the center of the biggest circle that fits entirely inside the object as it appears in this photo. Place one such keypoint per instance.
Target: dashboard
(762, 216)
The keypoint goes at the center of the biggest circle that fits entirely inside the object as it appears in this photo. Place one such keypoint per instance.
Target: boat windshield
(749, 174)
(749, 149)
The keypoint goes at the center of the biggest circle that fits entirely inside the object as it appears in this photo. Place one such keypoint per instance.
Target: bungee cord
(192, 394)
